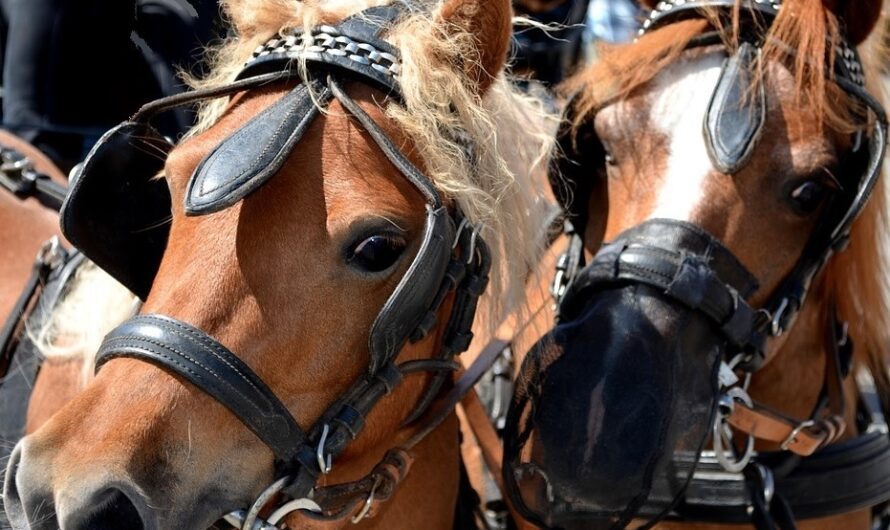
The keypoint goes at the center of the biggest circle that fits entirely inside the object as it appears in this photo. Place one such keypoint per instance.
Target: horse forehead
(679, 102)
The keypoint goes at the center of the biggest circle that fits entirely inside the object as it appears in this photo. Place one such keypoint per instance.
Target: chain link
(328, 41)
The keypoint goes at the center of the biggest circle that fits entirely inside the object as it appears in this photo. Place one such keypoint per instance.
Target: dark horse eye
(377, 253)
(807, 196)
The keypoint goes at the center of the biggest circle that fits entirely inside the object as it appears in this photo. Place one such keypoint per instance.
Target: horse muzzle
(614, 406)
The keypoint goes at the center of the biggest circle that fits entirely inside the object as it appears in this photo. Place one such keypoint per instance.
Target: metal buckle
(793, 436)
(369, 500)
(324, 464)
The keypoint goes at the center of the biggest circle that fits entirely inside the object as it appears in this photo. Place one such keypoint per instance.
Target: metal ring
(253, 513)
(293, 506)
(769, 483)
(733, 466)
(324, 464)
(717, 434)
(368, 501)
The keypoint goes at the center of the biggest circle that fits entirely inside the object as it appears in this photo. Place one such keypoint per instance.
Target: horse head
(723, 159)
(317, 277)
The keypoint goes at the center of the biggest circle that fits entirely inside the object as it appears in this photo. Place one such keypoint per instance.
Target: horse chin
(618, 397)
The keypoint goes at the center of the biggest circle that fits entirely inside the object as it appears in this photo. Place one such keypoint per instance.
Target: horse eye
(807, 196)
(610, 160)
(377, 253)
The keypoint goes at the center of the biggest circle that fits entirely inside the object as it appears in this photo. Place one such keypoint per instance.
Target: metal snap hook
(776, 324)
(721, 433)
(369, 500)
(324, 461)
(250, 520)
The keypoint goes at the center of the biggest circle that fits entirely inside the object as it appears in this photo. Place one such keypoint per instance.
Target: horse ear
(490, 22)
(649, 4)
(859, 17)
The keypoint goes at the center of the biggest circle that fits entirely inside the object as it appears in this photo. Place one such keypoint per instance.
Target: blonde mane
(856, 279)
(497, 183)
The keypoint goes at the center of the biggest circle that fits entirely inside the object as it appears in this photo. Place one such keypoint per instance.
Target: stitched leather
(192, 354)
(736, 113)
(253, 153)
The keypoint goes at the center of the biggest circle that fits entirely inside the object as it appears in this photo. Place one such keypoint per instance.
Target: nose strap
(688, 265)
(188, 352)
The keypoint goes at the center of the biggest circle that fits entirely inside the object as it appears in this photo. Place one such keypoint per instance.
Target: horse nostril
(111, 510)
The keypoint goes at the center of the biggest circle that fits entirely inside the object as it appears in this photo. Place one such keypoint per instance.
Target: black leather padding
(252, 154)
(413, 296)
(117, 212)
(190, 353)
(737, 111)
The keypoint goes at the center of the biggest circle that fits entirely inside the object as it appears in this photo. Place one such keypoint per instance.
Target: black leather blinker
(117, 213)
(736, 113)
(252, 154)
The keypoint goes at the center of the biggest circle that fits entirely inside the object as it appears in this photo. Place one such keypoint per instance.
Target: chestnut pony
(713, 155)
(292, 278)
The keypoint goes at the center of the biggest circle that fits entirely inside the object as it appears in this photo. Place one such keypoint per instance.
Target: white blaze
(680, 100)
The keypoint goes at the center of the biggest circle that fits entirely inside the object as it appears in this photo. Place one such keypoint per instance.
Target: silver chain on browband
(844, 51)
(666, 6)
(327, 40)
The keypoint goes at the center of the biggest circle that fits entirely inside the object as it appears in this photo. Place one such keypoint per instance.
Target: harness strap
(19, 176)
(190, 353)
(802, 438)
(50, 256)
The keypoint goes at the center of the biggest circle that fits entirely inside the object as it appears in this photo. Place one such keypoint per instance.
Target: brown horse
(293, 277)
(622, 380)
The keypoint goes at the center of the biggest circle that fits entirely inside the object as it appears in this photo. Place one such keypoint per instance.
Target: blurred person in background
(611, 21)
(73, 68)
(548, 55)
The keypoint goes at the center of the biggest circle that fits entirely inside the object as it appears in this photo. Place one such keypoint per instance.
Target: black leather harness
(116, 215)
(19, 176)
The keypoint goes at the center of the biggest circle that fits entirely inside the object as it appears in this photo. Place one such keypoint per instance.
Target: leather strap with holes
(804, 437)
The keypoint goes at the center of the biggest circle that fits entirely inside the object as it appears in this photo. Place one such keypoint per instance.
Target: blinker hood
(615, 403)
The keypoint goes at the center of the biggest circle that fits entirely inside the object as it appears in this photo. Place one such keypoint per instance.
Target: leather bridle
(453, 261)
